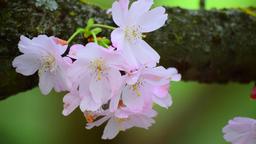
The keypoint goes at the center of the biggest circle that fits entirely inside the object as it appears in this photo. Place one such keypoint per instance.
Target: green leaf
(90, 23)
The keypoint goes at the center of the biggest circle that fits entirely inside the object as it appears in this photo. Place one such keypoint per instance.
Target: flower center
(99, 67)
(48, 64)
(133, 33)
(136, 87)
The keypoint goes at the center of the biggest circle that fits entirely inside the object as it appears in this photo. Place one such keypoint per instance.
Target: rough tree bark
(215, 46)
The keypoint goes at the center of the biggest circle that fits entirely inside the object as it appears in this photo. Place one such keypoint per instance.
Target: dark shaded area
(216, 46)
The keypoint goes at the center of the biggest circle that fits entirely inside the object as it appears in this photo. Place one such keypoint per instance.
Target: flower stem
(94, 37)
(78, 31)
(104, 26)
(105, 44)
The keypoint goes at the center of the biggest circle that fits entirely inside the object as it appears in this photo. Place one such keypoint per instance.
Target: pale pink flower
(43, 54)
(133, 22)
(240, 130)
(97, 75)
(152, 85)
(124, 119)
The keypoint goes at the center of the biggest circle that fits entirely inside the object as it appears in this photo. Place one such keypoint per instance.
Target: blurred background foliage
(198, 114)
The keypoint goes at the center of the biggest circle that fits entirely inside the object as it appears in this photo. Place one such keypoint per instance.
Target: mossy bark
(215, 46)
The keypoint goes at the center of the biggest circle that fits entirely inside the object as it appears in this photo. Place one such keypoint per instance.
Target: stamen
(98, 64)
(89, 118)
(121, 104)
(48, 64)
(135, 89)
(133, 33)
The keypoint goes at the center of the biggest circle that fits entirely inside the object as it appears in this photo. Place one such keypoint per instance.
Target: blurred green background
(197, 116)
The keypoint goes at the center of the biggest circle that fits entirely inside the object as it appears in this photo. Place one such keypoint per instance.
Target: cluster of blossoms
(118, 83)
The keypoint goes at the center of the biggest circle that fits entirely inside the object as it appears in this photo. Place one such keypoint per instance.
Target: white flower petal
(119, 11)
(111, 130)
(153, 20)
(132, 100)
(71, 102)
(100, 89)
(46, 81)
(117, 38)
(138, 8)
(26, 64)
(145, 54)
(163, 101)
(88, 104)
(97, 123)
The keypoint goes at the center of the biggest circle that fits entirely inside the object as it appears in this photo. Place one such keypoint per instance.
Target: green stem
(104, 26)
(105, 44)
(94, 37)
(78, 31)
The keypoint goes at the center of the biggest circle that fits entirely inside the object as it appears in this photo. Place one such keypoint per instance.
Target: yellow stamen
(99, 68)
(135, 89)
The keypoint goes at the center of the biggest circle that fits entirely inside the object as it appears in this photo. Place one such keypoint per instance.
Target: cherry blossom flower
(123, 119)
(240, 130)
(43, 54)
(152, 85)
(133, 22)
(97, 76)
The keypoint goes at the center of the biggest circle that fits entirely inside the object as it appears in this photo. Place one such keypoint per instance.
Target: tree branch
(206, 46)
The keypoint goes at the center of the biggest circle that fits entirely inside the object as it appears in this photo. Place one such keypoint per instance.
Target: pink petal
(163, 101)
(153, 20)
(74, 50)
(88, 104)
(175, 76)
(62, 81)
(26, 64)
(131, 99)
(138, 8)
(31, 46)
(121, 114)
(113, 105)
(100, 89)
(141, 121)
(129, 56)
(46, 82)
(119, 11)
(97, 123)
(145, 54)
(91, 52)
(115, 81)
(71, 102)
(111, 130)
(117, 38)
(78, 69)
(161, 91)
